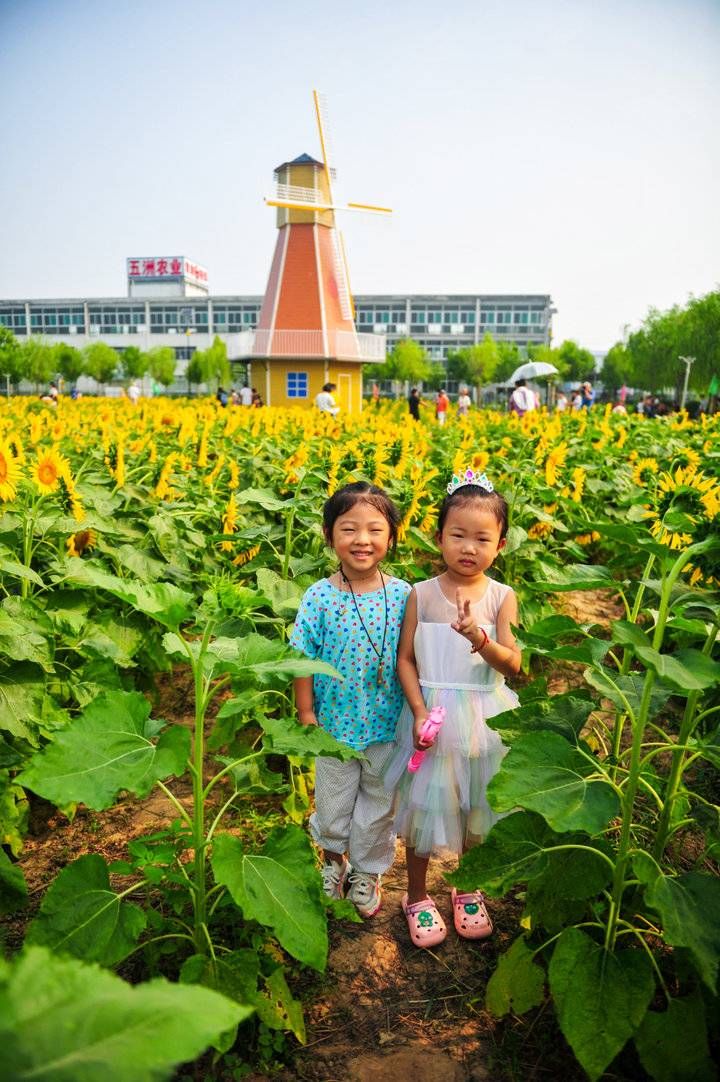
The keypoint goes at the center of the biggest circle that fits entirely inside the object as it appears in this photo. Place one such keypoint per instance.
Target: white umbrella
(532, 370)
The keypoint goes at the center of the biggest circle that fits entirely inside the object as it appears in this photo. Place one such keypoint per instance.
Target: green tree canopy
(195, 372)
(617, 367)
(572, 361)
(215, 364)
(134, 362)
(475, 364)
(509, 357)
(161, 364)
(408, 361)
(101, 361)
(11, 359)
(38, 361)
(69, 361)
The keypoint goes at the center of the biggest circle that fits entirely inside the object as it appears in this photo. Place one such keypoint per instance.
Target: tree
(11, 361)
(437, 376)
(409, 361)
(161, 364)
(38, 361)
(617, 367)
(216, 365)
(573, 362)
(101, 361)
(509, 357)
(69, 362)
(134, 362)
(475, 364)
(195, 371)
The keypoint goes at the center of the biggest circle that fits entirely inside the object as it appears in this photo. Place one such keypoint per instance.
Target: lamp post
(688, 361)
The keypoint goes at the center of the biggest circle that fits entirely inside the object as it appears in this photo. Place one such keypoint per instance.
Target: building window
(297, 385)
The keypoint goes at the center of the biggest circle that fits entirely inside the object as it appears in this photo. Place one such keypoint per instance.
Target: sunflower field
(172, 540)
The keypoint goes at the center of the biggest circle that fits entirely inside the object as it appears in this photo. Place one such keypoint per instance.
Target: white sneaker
(364, 893)
(333, 878)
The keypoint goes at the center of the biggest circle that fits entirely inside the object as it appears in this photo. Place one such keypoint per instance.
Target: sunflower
(229, 522)
(245, 557)
(9, 473)
(578, 476)
(70, 499)
(49, 467)
(78, 542)
(690, 496)
(539, 530)
(554, 461)
(643, 466)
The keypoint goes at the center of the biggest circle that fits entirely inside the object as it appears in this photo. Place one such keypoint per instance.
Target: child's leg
(371, 844)
(336, 786)
(417, 876)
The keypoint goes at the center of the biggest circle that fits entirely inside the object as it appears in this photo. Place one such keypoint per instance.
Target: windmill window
(297, 385)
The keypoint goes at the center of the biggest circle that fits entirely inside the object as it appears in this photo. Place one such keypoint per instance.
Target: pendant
(379, 678)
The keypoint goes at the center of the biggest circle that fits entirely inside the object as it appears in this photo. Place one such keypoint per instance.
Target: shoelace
(331, 875)
(364, 884)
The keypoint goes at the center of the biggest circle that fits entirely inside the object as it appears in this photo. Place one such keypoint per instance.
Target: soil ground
(384, 1011)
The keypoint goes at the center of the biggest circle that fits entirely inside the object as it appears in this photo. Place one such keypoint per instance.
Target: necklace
(379, 654)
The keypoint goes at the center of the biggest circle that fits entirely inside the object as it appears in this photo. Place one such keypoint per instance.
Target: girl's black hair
(360, 492)
(492, 502)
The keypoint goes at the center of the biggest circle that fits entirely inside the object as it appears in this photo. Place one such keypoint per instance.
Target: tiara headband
(470, 478)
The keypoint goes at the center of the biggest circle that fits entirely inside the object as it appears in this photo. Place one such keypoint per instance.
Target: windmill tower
(306, 334)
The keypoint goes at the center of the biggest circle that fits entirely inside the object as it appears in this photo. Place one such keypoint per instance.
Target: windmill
(307, 315)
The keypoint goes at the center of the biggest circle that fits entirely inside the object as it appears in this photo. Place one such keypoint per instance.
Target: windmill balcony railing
(346, 345)
(294, 194)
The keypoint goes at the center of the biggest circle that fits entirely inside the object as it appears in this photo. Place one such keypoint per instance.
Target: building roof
(302, 159)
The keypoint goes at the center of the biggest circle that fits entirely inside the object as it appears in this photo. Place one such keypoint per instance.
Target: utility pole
(688, 361)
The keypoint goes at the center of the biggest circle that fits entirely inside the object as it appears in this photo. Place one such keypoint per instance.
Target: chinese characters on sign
(166, 267)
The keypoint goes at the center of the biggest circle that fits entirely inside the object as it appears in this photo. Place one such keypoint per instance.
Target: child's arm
(503, 655)
(407, 668)
(304, 700)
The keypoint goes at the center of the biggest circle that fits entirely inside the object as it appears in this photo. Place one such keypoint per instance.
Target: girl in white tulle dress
(456, 647)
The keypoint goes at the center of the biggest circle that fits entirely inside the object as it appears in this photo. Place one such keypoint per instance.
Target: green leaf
(108, 748)
(117, 639)
(629, 634)
(21, 694)
(13, 890)
(162, 601)
(513, 852)
(544, 773)
(600, 997)
(552, 577)
(284, 594)
(564, 714)
(688, 670)
(287, 737)
(517, 984)
(280, 888)
(64, 1021)
(264, 498)
(277, 1007)
(616, 688)
(13, 567)
(23, 637)
(689, 905)
(82, 915)
(673, 1044)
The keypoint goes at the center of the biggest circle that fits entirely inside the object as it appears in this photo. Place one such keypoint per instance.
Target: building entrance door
(345, 392)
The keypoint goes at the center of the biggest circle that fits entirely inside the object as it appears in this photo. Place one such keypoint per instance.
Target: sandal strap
(417, 907)
(471, 896)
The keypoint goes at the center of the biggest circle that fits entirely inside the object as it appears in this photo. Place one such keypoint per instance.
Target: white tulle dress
(443, 806)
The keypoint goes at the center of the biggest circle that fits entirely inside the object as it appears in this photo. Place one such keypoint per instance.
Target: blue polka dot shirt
(360, 710)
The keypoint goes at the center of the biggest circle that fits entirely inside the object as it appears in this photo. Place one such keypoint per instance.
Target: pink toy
(430, 728)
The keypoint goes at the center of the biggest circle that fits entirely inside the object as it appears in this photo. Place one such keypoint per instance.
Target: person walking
(414, 404)
(441, 406)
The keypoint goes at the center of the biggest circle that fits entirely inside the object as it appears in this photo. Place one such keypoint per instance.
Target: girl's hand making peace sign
(465, 624)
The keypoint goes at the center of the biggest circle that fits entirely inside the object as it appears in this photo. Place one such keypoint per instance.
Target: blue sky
(561, 147)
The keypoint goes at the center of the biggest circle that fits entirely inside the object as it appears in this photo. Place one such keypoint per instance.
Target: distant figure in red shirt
(441, 406)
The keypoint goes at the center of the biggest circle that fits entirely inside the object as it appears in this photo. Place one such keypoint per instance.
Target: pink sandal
(427, 928)
(470, 916)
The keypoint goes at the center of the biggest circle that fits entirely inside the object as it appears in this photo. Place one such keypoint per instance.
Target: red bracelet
(475, 649)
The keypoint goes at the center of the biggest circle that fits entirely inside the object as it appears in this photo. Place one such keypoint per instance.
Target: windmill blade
(324, 133)
(367, 206)
(347, 302)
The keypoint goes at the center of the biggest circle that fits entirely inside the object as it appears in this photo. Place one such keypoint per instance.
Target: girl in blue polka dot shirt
(352, 620)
